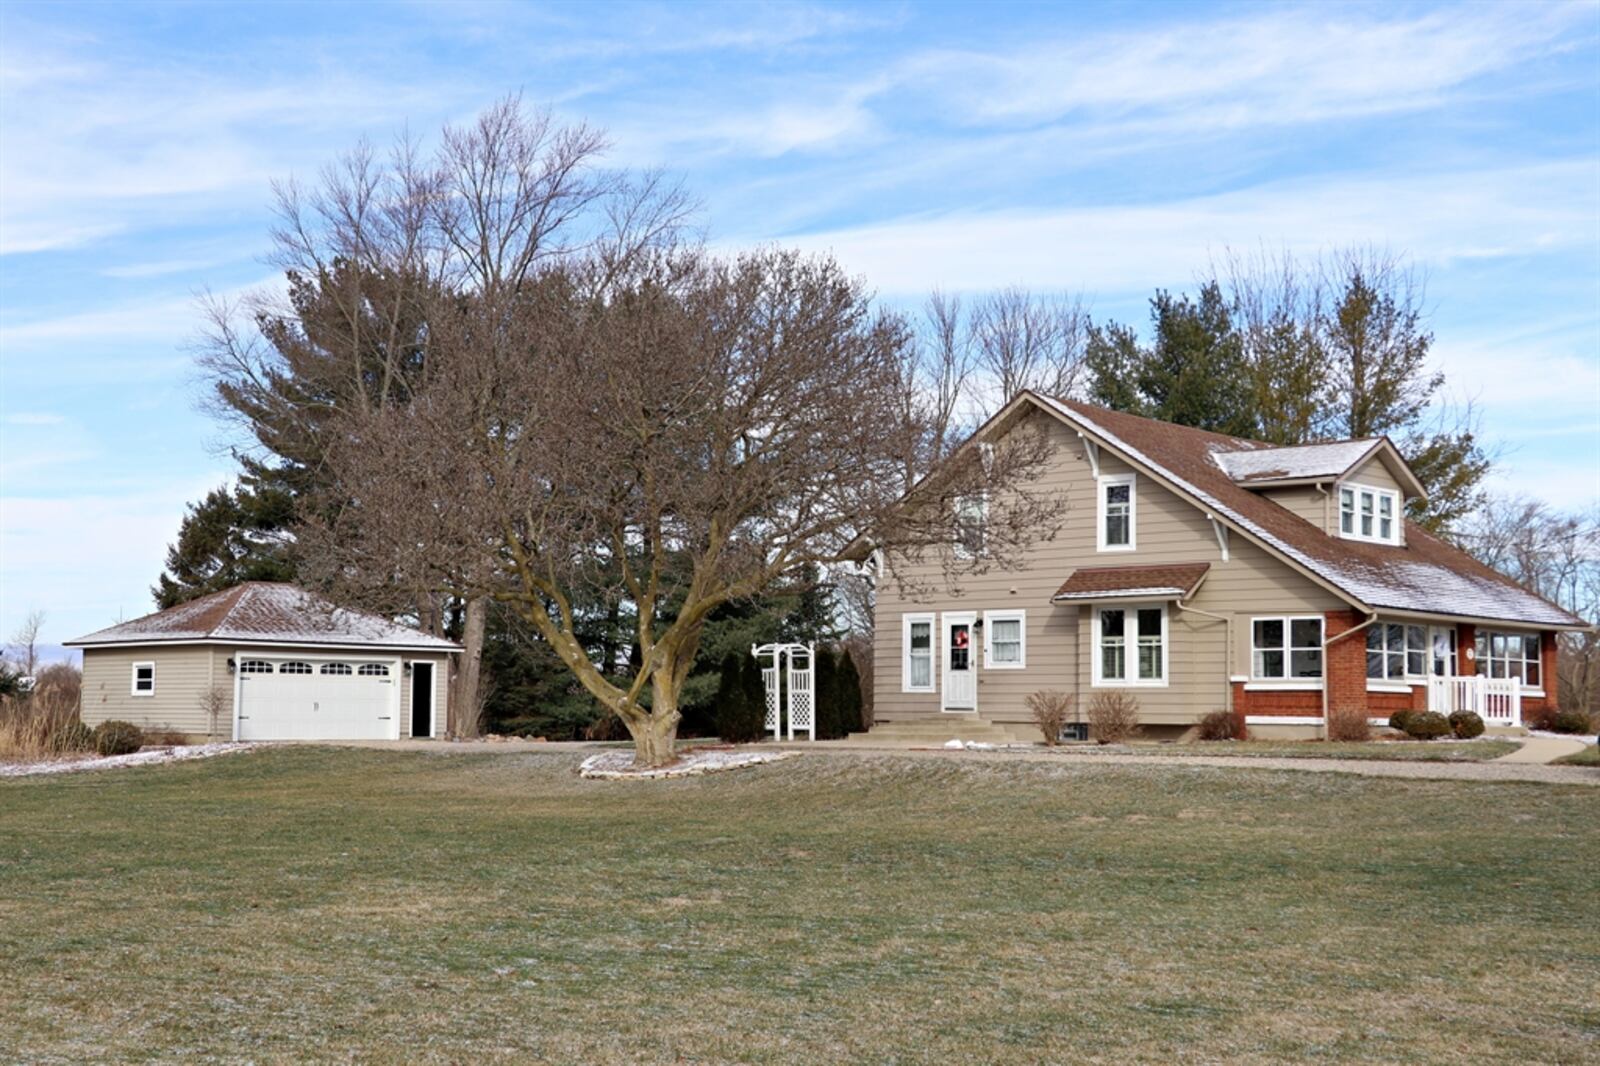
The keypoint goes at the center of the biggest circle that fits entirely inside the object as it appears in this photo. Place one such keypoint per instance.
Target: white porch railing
(1497, 700)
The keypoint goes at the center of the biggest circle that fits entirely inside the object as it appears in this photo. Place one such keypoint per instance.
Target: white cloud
(33, 418)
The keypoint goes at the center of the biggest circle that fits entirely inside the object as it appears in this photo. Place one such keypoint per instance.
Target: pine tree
(825, 678)
(227, 538)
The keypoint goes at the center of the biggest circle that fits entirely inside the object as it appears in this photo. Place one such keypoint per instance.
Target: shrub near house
(1195, 571)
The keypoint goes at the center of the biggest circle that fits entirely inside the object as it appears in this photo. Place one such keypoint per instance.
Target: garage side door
(286, 698)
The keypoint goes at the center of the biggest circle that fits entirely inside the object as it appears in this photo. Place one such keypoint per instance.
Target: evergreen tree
(825, 694)
(743, 720)
(227, 538)
(1113, 358)
(848, 684)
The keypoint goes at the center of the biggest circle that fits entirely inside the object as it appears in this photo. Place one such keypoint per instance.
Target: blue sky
(1098, 149)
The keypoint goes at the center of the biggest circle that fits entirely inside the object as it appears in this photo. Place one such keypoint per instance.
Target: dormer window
(1367, 513)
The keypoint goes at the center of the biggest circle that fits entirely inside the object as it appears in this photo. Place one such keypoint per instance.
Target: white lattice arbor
(795, 698)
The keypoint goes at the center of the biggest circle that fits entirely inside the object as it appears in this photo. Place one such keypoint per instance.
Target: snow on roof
(1425, 575)
(1299, 461)
(269, 612)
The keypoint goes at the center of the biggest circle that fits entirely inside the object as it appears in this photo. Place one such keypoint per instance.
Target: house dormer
(1354, 490)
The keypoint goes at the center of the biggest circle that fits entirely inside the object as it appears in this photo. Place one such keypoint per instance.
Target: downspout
(1372, 617)
(1227, 631)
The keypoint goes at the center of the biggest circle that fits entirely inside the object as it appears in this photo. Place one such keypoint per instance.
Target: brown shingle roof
(1104, 582)
(1425, 574)
(265, 611)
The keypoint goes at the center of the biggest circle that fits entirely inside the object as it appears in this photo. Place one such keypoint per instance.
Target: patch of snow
(142, 757)
(618, 765)
(954, 744)
(1581, 738)
(1298, 461)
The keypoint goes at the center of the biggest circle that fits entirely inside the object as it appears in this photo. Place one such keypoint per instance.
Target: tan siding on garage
(1168, 530)
(183, 675)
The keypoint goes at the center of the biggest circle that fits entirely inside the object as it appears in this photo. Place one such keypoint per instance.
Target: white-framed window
(373, 670)
(917, 642)
(1509, 655)
(1116, 513)
(255, 666)
(339, 669)
(1286, 649)
(1396, 651)
(1366, 513)
(1130, 645)
(1005, 640)
(144, 679)
(295, 668)
(971, 517)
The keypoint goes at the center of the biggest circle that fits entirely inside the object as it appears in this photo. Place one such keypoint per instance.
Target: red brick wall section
(1283, 704)
(1549, 678)
(1345, 670)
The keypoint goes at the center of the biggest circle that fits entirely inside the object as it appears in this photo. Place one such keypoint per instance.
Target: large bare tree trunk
(655, 735)
(467, 698)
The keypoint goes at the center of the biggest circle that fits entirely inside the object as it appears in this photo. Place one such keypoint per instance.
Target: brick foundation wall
(1281, 704)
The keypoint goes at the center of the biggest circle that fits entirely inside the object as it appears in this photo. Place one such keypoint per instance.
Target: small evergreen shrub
(1221, 725)
(849, 694)
(1113, 716)
(1427, 725)
(1570, 720)
(1398, 720)
(1466, 725)
(117, 738)
(1050, 710)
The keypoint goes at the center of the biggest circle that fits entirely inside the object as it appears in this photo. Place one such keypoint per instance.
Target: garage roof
(265, 612)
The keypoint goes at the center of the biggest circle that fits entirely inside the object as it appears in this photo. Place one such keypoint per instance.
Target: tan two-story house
(1201, 572)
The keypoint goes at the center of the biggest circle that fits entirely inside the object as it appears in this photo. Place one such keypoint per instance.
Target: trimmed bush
(1398, 720)
(1570, 720)
(1113, 716)
(1050, 710)
(739, 721)
(117, 738)
(1466, 725)
(1222, 725)
(1428, 725)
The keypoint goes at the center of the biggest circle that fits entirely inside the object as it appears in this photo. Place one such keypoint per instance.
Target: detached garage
(267, 661)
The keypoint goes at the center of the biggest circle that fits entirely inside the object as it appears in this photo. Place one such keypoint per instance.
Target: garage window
(144, 679)
(342, 669)
(255, 666)
(296, 668)
(374, 670)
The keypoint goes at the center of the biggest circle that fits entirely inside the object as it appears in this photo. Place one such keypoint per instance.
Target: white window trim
(133, 680)
(1283, 719)
(1286, 682)
(989, 618)
(1270, 685)
(1406, 678)
(1397, 515)
(959, 549)
(1103, 482)
(1131, 647)
(1488, 635)
(906, 621)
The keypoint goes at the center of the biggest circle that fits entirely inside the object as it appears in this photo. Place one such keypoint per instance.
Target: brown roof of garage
(1102, 582)
(265, 612)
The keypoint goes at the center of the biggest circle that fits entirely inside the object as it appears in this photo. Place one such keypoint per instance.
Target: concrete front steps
(932, 732)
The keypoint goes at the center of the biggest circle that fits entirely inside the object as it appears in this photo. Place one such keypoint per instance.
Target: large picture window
(1131, 645)
(917, 669)
(1005, 640)
(1510, 655)
(1118, 510)
(1367, 513)
(1286, 649)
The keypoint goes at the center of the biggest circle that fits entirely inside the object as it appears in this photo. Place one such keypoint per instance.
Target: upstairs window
(1509, 655)
(971, 514)
(1286, 649)
(1117, 509)
(1370, 514)
(144, 679)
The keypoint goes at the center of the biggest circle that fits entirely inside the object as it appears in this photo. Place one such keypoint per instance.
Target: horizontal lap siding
(183, 676)
(441, 686)
(1168, 530)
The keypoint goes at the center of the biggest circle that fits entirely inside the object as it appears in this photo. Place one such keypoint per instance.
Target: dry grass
(32, 726)
(346, 905)
(1349, 724)
(1382, 750)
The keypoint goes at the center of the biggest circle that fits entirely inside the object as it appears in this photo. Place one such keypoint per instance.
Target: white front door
(960, 663)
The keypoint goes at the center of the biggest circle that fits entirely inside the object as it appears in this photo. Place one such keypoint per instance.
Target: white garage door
(316, 699)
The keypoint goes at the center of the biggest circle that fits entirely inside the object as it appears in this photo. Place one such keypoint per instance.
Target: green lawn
(369, 906)
(1404, 750)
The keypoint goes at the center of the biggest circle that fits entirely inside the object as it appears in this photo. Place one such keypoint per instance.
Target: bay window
(1286, 649)
(1130, 645)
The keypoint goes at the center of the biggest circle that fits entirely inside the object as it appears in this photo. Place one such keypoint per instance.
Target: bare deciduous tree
(1023, 341)
(664, 434)
(25, 643)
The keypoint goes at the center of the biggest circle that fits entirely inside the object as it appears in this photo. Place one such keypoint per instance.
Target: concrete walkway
(1543, 750)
